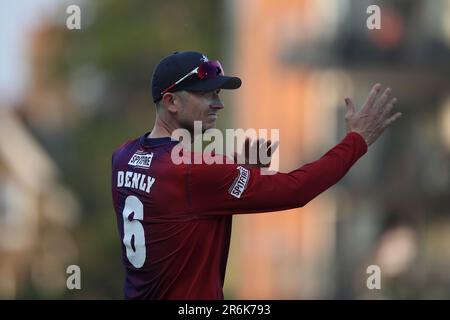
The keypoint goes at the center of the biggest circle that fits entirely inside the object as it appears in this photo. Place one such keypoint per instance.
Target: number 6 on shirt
(136, 253)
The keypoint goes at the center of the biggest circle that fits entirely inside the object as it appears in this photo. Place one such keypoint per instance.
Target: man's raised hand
(375, 115)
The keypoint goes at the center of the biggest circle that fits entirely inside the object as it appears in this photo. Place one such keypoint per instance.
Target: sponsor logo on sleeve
(141, 160)
(240, 183)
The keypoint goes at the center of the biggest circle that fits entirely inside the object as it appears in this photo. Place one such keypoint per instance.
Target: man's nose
(217, 105)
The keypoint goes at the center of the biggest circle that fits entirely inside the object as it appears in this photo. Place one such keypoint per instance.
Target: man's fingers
(257, 144)
(272, 148)
(388, 107)
(261, 142)
(252, 154)
(252, 148)
(371, 97)
(350, 107)
(382, 100)
(392, 119)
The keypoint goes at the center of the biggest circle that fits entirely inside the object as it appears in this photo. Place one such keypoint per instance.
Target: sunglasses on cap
(206, 70)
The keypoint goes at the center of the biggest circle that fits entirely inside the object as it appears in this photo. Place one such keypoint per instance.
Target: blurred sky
(17, 18)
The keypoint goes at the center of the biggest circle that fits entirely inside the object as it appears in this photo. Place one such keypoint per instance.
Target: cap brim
(220, 82)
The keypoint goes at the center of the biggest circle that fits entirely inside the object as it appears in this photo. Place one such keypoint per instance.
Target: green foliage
(123, 40)
(127, 38)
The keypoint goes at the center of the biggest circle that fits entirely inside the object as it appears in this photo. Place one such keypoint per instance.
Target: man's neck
(156, 133)
(160, 130)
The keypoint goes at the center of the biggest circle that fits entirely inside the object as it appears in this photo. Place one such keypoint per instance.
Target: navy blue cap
(175, 66)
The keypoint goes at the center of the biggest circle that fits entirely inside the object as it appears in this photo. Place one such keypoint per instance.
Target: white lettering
(74, 280)
(373, 281)
(128, 175)
(142, 184)
(181, 153)
(374, 21)
(215, 147)
(150, 182)
(74, 20)
(135, 182)
(120, 179)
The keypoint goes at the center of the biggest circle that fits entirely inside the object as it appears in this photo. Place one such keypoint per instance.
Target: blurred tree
(106, 68)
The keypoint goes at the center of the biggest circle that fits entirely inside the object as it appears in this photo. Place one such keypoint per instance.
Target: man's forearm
(316, 177)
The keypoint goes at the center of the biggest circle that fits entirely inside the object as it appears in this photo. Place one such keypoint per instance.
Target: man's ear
(170, 102)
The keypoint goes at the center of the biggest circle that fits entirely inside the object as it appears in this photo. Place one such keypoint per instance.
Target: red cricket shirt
(174, 221)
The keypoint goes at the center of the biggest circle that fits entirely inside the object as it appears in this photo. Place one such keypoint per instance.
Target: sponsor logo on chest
(141, 159)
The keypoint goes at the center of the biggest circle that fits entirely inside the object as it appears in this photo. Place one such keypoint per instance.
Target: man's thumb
(350, 106)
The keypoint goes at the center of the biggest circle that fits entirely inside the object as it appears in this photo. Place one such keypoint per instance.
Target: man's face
(199, 106)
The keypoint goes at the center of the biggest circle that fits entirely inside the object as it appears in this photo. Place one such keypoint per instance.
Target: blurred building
(298, 61)
(285, 255)
(46, 105)
(37, 213)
